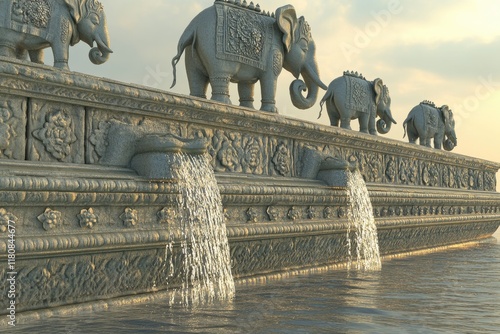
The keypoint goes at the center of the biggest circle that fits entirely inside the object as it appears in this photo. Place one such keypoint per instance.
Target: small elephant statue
(27, 27)
(426, 121)
(235, 42)
(351, 96)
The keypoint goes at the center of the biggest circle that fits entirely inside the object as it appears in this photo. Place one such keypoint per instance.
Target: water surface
(452, 291)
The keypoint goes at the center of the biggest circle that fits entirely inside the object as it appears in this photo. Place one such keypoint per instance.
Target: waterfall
(206, 267)
(362, 231)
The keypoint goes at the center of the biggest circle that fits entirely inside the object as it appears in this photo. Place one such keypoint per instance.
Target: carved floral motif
(7, 131)
(57, 134)
(329, 212)
(87, 218)
(166, 216)
(50, 219)
(32, 12)
(129, 217)
(293, 213)
(311, 212)
(99, 139)
(273, 213)
(252, 215)
(281, 160)
(5, 218)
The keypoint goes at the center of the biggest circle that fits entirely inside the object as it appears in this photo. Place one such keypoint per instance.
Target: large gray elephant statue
(426, 121)
(351, 96)
(29, 26)
(234, 42)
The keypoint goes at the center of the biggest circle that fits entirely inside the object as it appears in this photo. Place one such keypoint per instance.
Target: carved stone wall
(87, 231)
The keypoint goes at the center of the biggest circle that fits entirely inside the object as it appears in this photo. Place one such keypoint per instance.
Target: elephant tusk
(102, 46)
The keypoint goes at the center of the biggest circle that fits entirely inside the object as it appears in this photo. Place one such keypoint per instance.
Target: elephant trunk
(312, 84)
(385, 123)
(450, 142)
(100, 54)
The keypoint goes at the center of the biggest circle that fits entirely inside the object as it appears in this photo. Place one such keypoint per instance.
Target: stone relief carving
(5, 218)
(129, 217)
(87, 218)
(32, 12)
(252, 215)
(273, 213)
(57, 134)
(8, 133)
(99, 139)
(50, 219)
(294, 213)
(167, 216)
(329, 213)
(281, 160)
(311, 212)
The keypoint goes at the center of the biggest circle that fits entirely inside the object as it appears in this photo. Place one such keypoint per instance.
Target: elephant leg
(268, 91)
(245, 91)
(412, 138)
(61, 53)
(363, 122)
(438, 141)
(345, 122)
(36, 56)
(197, 80)
(220, 88)
(372, 129)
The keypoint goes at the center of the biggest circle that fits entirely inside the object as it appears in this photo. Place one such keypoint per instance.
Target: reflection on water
(453, 291)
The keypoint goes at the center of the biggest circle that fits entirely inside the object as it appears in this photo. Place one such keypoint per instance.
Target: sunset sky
(445, 51)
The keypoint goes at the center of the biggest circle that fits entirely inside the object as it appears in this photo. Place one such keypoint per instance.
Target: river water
(451, 291)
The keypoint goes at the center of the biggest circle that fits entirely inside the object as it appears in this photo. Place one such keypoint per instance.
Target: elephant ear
(378, 87)
(445, 110)
(76, 8)
(286, 17)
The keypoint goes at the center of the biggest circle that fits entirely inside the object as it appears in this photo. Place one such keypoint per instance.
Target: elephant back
(27, 17)
(359, 94)
(243, 35)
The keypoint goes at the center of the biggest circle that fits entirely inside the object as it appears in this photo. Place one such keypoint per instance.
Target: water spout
(362, 231)
(206, 267)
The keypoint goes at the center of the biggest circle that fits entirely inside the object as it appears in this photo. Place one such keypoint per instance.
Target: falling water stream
(206, 267)
(362, 231)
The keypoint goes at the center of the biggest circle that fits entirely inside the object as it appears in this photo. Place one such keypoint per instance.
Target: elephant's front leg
(246, 90)
(268, 90)
(372, 129)
(365, 121)
(61, 55)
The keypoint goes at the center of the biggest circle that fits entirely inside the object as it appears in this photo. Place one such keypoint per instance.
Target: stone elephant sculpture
(426, 121)
(30, 26)
(351, 96)
(233, 42)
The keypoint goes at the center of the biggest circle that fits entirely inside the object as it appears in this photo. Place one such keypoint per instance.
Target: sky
(444, 51)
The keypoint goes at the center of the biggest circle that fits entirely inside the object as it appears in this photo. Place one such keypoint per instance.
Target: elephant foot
(269, 108)
(374, 132)
(221, 98)
(61, 64)
(247, 104)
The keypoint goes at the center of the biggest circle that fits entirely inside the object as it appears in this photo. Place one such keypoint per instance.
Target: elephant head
(299, 57)
(383, 105)
(450, 142)
(91, 26)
